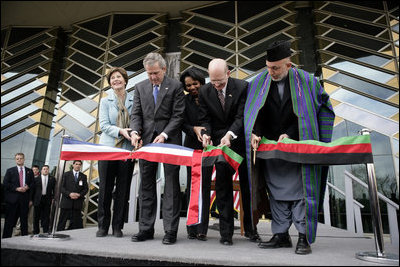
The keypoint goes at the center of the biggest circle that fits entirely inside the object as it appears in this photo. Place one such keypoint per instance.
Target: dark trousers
(73, 215)
(14, 211)
(118, 173)
(171, 204)
(42, 213)
(224, 199)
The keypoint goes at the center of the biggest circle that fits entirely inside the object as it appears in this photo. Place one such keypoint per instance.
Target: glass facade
(52, 80)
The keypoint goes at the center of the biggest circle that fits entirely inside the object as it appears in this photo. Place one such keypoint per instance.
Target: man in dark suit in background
(74, 188)
(42, 199)
(17, 183)
(157, 117)
(221, 113)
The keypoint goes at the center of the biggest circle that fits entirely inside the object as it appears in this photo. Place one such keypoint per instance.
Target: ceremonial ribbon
(345, 150)
(159, 152)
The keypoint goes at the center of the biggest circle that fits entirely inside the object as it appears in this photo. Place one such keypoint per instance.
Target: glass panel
(73, 95)
(89, 37)
(76, 127)
(207, 36)
(352, 12)
(355, 26)
(356, 40)
(132, 56)
(30, 63)
(19, 34)
(19, 80)
(362, 71)
(247, 9)
(78, 114)
(137, 30)
(99, 25)
(86, 104)
(19, 102)
(134, 43)
(135, 66)
(380, 143)
(361, 86)
(224, 11)
(81, 86)
(371, 4)
(385, 175)
(213, 25)
(360, 55)
(369, 120)
(21, 90)
(15, 127)
(18, 114)
(265, 32)
(363, 102)
(275, 14)
(256, 50)
(84, 74)
(88, 49)
(86, 61)
(30, 43)
(27, 54)
(199, 60)
(254, 65)
(209, 50)
(124, 21)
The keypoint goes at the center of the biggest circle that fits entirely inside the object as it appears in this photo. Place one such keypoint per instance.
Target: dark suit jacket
(276, 117)
(11, 182)
(167, 116)
(51, 184)
(215, 120)
(68, 186)
(191, 116)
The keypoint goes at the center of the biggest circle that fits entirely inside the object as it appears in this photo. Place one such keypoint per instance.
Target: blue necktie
(155, 93)
(76, 177)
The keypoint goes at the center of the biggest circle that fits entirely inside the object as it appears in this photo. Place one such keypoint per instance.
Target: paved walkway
(332, 247)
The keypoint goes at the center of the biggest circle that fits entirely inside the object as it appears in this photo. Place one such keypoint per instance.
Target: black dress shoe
(302, 247)
(117, 233)
(226, 241)
(281, 240)
(169, 238)
(253, 236)
(142, 236)
(201, 237)
(101, 233)
(191, 236)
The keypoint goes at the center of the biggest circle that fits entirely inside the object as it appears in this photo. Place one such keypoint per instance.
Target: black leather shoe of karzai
(302, 247)
(142, 236)
(169, 238)
(101, 233)
(281, 240)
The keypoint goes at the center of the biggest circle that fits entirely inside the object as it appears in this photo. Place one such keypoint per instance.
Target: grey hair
(152, 58)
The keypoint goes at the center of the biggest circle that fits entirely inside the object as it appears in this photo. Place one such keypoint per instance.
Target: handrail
(381, 196)
(344, 194)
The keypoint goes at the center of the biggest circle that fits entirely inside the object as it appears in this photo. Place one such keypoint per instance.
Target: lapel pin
(230, 95)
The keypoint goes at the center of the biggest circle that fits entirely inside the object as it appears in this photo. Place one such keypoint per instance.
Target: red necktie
(21, 177)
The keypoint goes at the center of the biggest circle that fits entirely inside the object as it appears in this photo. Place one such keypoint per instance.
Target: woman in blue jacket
(114, 124)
